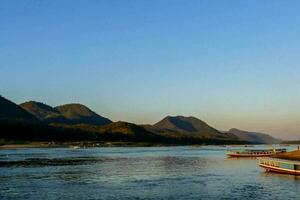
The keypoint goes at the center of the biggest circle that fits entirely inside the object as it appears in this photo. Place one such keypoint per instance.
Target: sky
(229, 63)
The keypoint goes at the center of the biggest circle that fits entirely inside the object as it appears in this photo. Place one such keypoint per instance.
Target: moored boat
(280, 165)
(254, 152)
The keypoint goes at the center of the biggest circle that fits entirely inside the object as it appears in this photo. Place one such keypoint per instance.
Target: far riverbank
(293, 155)
(83, 144)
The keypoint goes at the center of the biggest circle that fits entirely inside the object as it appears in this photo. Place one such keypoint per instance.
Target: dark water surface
(138, 173)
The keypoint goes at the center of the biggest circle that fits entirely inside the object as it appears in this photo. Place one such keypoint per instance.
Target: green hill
(41, 110)
(70, 114)
(180, 126)
(80, 114)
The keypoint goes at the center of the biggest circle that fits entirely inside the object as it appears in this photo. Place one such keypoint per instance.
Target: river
(138, 173)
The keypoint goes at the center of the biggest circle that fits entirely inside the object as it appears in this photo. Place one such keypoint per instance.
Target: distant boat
(280, 165)
(74, 146)
(254, 152)
(249, 145)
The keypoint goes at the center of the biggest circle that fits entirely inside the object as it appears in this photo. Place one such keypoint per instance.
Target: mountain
(254, 137)
(124, 128)
(34, 121)
(127, 130)
(80, 114)
(120, 129)
(17, 124)
(180, 126)
(11, 111)
(124, 131)
(70, 114)
(40, 110)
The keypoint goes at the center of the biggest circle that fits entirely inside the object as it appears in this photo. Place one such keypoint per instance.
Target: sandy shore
(293, 155)
(27, 145)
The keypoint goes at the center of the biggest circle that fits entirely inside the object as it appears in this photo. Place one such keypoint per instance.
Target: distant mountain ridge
(66, 114)
(180, 126)
(254, 137)
(35, 121)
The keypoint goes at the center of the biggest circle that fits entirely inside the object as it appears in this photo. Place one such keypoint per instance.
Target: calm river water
(138, 173)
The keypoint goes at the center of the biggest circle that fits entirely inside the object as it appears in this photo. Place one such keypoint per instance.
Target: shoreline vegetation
(4, 144)
(85, 144)
(81, 144)
(89, 144)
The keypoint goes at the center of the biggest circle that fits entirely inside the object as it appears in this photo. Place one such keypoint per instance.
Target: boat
(280, 165)
(254, 152)
(74, 146)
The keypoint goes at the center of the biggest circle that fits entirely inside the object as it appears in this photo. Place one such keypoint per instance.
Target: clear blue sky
(229, 63)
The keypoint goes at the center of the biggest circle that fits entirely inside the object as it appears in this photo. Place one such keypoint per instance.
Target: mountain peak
(190, 126)
(178, 123)
(40, 110)
(185, 123)
(75, 110)
(10, 110)
(78, 113)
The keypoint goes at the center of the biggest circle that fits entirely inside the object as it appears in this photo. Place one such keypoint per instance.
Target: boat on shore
(280, 165)
(254, 152)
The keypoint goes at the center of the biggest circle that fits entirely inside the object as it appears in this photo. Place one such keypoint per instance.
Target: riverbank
(25, 145)
(4, 144)
(293, 155)
(84, 144)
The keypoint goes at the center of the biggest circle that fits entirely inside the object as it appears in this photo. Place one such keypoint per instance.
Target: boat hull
(280, 170)
(248, 155)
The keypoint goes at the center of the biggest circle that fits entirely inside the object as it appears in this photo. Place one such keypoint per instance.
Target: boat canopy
(259, 150)
(280, 163)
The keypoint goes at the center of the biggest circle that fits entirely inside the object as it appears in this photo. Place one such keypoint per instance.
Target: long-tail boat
(280, 165)
(254, 152)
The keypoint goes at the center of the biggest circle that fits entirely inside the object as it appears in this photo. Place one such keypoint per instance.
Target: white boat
(280, 165)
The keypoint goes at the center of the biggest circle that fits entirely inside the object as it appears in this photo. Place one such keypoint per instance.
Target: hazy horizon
(231, 64)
